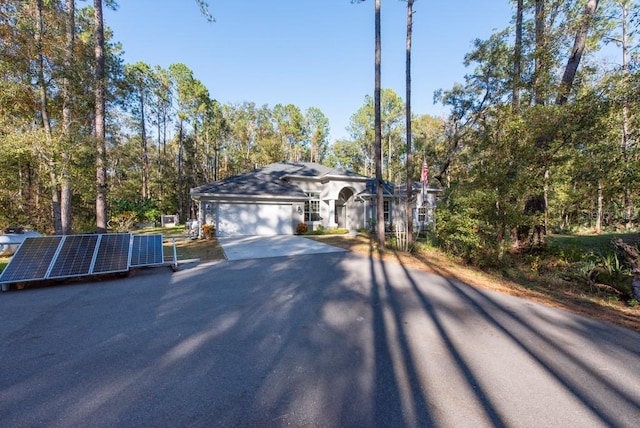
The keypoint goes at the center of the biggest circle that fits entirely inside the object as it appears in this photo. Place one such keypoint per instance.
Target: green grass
(186, 248)
(166, 231)
(589, 244)
(203, 249)
(4, 261)
(327, 232)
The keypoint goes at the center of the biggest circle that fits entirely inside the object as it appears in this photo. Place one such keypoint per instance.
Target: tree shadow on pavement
(546, 337)
(320, 340)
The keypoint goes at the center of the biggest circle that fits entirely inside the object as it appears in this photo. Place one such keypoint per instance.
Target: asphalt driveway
(331, 339)
(258, 247)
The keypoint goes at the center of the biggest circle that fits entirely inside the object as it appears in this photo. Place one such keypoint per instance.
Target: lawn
(186, 248)
(596, 244)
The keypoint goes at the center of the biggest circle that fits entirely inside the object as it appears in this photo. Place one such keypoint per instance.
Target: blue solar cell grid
(74, 257)
(146, 250)
(113, 253)
(32, 260)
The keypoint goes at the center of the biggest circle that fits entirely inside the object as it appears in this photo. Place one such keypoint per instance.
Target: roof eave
(258, 197)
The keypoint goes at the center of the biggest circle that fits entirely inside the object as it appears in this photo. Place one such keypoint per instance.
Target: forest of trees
(163, 131)
(540, 136)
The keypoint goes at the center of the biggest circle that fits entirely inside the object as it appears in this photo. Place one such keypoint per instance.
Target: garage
(234, 219)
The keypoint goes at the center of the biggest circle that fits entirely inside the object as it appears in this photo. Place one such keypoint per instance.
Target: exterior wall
(396, 213)
(329, 194)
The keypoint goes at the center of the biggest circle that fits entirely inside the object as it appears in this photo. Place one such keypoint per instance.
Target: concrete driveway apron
(258, 247)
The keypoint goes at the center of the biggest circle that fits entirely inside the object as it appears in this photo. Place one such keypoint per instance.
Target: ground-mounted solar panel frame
(69, 256)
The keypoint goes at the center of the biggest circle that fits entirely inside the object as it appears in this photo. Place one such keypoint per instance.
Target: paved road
(319, 340)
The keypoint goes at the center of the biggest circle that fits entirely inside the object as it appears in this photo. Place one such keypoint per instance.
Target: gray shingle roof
(271, 180)
(371, 189)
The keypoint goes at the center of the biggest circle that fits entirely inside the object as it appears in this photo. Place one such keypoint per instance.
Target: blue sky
(311, 53)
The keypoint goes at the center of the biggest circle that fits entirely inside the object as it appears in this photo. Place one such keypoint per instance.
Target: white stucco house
(274, 199)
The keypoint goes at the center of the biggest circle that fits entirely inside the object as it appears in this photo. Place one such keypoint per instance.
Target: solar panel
(112, 254)
(32, 260)
(56, 257)
(75, 256)
(146, 250)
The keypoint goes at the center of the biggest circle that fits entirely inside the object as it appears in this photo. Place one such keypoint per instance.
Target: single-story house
(274, 199)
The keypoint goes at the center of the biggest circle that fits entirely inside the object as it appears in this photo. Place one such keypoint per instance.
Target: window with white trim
(422, 214)
(312, 207)
(385, 210)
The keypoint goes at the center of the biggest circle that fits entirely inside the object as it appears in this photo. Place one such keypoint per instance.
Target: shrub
(123, 221)
(323, 231)
(457, 232)
(145, 210)
(301, 228)
(208, 230)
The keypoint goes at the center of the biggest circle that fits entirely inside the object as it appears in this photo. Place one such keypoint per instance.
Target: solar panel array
(57, 257)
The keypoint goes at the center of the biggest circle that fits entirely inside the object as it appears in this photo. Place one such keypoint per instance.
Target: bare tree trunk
(65, 183)
(600, 212)
(216, 161)
(101, 146)
(517, 59)
(515, 98)
(410, 198)
(180, 178)
(539, 63)
(576, 53)
(389, 172)
(378, 131)
(145, 147)
(626, 141)
(546, 200)
(46, 121)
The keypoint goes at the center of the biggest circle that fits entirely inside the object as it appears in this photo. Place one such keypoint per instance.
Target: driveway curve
(258, 247)
(333, 339)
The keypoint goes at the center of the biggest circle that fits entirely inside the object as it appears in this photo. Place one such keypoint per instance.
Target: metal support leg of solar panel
(70, 256)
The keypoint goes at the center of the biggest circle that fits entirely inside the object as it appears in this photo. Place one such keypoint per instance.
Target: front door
(340, 216)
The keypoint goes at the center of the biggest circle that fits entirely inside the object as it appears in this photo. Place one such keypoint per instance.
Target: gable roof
(313, 170)
(271, 181)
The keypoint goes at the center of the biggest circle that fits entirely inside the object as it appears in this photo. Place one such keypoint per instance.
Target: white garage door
(253, 219)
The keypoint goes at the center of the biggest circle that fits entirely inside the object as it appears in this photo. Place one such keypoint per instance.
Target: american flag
(424, 177)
